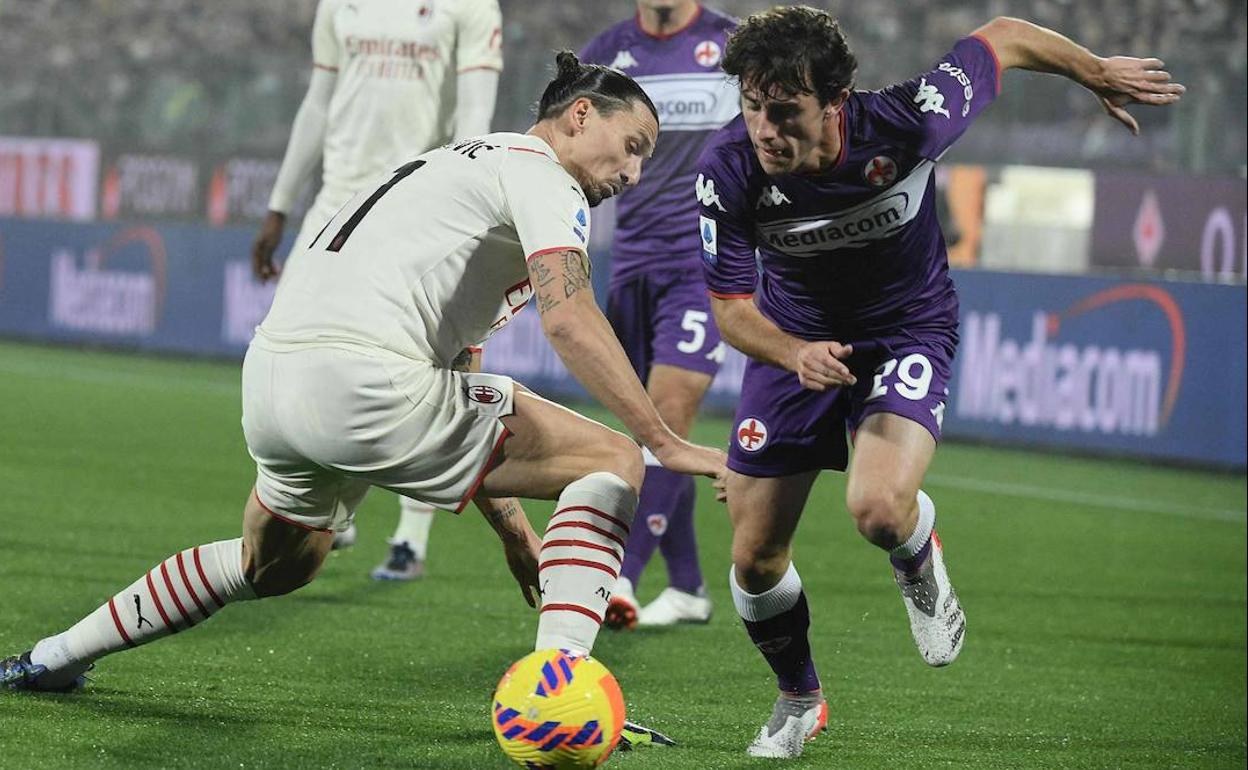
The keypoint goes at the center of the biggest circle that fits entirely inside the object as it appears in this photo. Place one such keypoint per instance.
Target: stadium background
(1103, 286)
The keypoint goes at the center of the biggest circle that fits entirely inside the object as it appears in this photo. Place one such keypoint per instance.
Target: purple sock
(910, 565)
(679, 544)
(659, 491)
(785, 642)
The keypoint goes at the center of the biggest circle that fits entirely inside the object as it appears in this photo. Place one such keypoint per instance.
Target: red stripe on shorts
(489, 465)
(286, 520)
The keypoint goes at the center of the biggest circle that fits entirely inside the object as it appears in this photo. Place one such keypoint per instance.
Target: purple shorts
(782, 428)
(665, 318)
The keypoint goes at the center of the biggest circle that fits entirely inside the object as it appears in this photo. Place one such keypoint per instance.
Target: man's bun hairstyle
(609, 90)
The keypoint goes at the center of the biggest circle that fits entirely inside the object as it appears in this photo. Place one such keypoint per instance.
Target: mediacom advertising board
(1153, 369)
(1148, 369)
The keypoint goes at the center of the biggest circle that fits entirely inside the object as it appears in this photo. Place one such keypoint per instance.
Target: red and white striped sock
(581, 556)
(179, 593)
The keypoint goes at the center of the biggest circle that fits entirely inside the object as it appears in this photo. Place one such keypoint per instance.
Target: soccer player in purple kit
(657, 302)
(849, 316)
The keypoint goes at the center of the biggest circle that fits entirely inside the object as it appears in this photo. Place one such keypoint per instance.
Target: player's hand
(266, 242)
(522, 559)
(683, 457)
(821, 365)
(1127, 80)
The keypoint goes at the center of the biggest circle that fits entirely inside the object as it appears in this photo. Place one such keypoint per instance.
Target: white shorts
(325, 423)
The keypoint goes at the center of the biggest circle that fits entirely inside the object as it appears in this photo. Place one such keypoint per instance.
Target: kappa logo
(880, 171)
(930, 99)
(958, 74)
(751, 434)
(772, 197)
(707, 53)
(623, 60)
(704, 187)
(484, 394)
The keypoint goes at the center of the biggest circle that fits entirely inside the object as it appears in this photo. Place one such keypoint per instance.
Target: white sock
(779, 598)
(179, 593)
(922, 529)
(581, 556)
(415, 519)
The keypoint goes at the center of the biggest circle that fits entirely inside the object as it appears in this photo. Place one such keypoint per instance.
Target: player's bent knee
(281, 577)
(760, 564)
(623, 458)
(880, 513)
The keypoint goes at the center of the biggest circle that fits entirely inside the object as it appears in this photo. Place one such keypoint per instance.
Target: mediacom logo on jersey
(1068, 386)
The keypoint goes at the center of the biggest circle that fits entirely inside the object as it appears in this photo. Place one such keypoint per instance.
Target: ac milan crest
(484, 394)
(880, 171)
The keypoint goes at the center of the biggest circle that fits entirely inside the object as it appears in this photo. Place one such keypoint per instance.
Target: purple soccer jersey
(853, 254)
(655, 221)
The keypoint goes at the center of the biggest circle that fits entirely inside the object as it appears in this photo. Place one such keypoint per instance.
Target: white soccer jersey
(431, 258)
(394, 96)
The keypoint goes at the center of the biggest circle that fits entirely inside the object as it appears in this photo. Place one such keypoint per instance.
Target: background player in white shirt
(382, 92)
(347, 383)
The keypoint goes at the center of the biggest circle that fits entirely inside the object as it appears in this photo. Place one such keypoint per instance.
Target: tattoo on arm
(575, 272)
(573, 269)
(505, 512)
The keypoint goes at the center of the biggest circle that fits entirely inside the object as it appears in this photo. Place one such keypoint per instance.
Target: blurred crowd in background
(227, 76)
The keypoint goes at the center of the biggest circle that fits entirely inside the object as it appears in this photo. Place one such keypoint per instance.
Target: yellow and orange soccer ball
(557, 710)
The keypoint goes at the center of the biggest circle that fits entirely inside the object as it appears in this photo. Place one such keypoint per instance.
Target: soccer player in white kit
(391, 79)
(348, 383)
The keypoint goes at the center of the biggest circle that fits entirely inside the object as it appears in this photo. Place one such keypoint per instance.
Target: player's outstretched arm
(588, 347)
(818, 365)
(1117, 81)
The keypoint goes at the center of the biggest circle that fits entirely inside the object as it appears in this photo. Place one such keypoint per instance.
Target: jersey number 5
(349, 227)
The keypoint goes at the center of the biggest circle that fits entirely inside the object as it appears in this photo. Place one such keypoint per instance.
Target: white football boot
(675, 606)
(936, 619)
(622, 607)
(792, 724)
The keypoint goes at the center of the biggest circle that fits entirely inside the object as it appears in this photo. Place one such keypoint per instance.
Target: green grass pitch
(1105, 604)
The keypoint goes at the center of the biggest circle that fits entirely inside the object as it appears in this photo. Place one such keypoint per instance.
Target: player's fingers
(1152, 64)
(1123, 117)
(811, 384)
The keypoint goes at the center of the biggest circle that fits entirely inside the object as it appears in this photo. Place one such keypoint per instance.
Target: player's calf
(580, 561)
(174, 596)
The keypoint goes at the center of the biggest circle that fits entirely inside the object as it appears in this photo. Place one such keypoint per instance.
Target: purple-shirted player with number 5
(852, 322)
(657, 303)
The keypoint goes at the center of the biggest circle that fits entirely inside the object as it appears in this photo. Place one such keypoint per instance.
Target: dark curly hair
(791, 50)
(609, 90)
